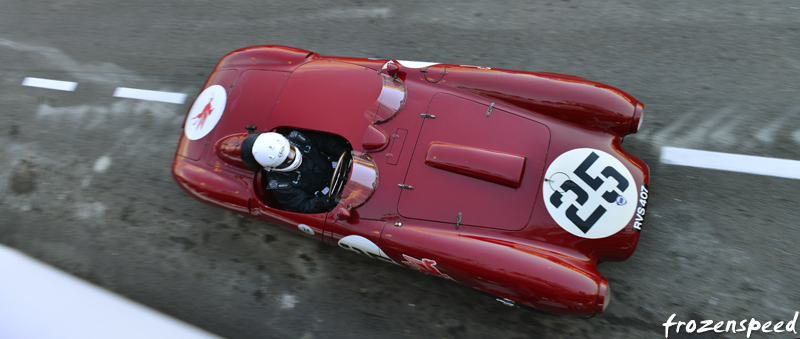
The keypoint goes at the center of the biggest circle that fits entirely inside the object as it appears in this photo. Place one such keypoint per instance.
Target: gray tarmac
(86, 183)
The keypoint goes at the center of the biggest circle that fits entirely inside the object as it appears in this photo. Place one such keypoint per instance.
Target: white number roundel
(589, 193)
(205, 112)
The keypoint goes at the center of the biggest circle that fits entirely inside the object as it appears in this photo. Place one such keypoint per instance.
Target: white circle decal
(364, 246)
(587, 191)
(306, 229)
(205, 112)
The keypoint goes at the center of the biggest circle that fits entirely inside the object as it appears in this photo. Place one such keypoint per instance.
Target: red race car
(513, 183)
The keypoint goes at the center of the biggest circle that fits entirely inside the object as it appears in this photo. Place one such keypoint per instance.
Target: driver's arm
(331, 145)
(296, 200)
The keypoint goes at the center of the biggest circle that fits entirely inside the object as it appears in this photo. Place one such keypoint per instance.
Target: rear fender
(526, 274)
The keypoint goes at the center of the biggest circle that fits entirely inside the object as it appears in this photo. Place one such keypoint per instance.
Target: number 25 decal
(594, 183)
(585, 172)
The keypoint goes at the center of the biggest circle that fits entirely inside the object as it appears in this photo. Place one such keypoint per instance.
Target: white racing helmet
(274, 152)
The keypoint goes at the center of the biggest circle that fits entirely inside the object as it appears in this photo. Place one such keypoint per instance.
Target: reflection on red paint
(425, 266)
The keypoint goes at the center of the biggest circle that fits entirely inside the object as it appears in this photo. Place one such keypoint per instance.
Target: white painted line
(142, 94)
(39, 301)
(50, 84)
(731, 162)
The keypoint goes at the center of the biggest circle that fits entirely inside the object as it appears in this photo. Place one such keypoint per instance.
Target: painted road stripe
(141, 94)
(731, 162)
(34, 294)
(50, 84)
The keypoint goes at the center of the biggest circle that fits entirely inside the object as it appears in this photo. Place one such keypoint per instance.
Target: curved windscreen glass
(390, 101)
(363, 179)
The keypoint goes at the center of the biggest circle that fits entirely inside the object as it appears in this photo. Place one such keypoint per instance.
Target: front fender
(271, 57)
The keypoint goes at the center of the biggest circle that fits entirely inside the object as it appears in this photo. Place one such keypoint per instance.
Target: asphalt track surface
(86, 184)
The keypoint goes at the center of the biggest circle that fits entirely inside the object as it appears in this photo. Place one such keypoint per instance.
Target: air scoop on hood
(492, 166)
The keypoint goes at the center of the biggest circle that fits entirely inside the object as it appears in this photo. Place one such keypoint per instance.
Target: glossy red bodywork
(453, 178)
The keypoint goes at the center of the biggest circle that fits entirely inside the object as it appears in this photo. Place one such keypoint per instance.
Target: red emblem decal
(203, 115)
(425, 266)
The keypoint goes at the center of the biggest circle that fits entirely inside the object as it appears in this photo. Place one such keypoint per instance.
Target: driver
(298, 166)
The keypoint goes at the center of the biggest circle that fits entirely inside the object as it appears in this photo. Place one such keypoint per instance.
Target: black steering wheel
(339, 178)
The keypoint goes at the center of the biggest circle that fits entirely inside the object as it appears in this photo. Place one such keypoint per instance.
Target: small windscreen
(390, 101)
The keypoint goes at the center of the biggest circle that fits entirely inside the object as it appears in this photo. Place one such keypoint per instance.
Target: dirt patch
(23, 180)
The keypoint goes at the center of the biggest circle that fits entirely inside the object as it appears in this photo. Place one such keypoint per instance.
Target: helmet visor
(290, 159)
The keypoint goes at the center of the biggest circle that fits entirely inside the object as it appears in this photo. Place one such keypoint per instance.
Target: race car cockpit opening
(316, 184)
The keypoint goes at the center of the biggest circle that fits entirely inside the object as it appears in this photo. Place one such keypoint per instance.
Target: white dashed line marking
(141, 94)
(102, 164)
(731, 162)
(50, 84)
